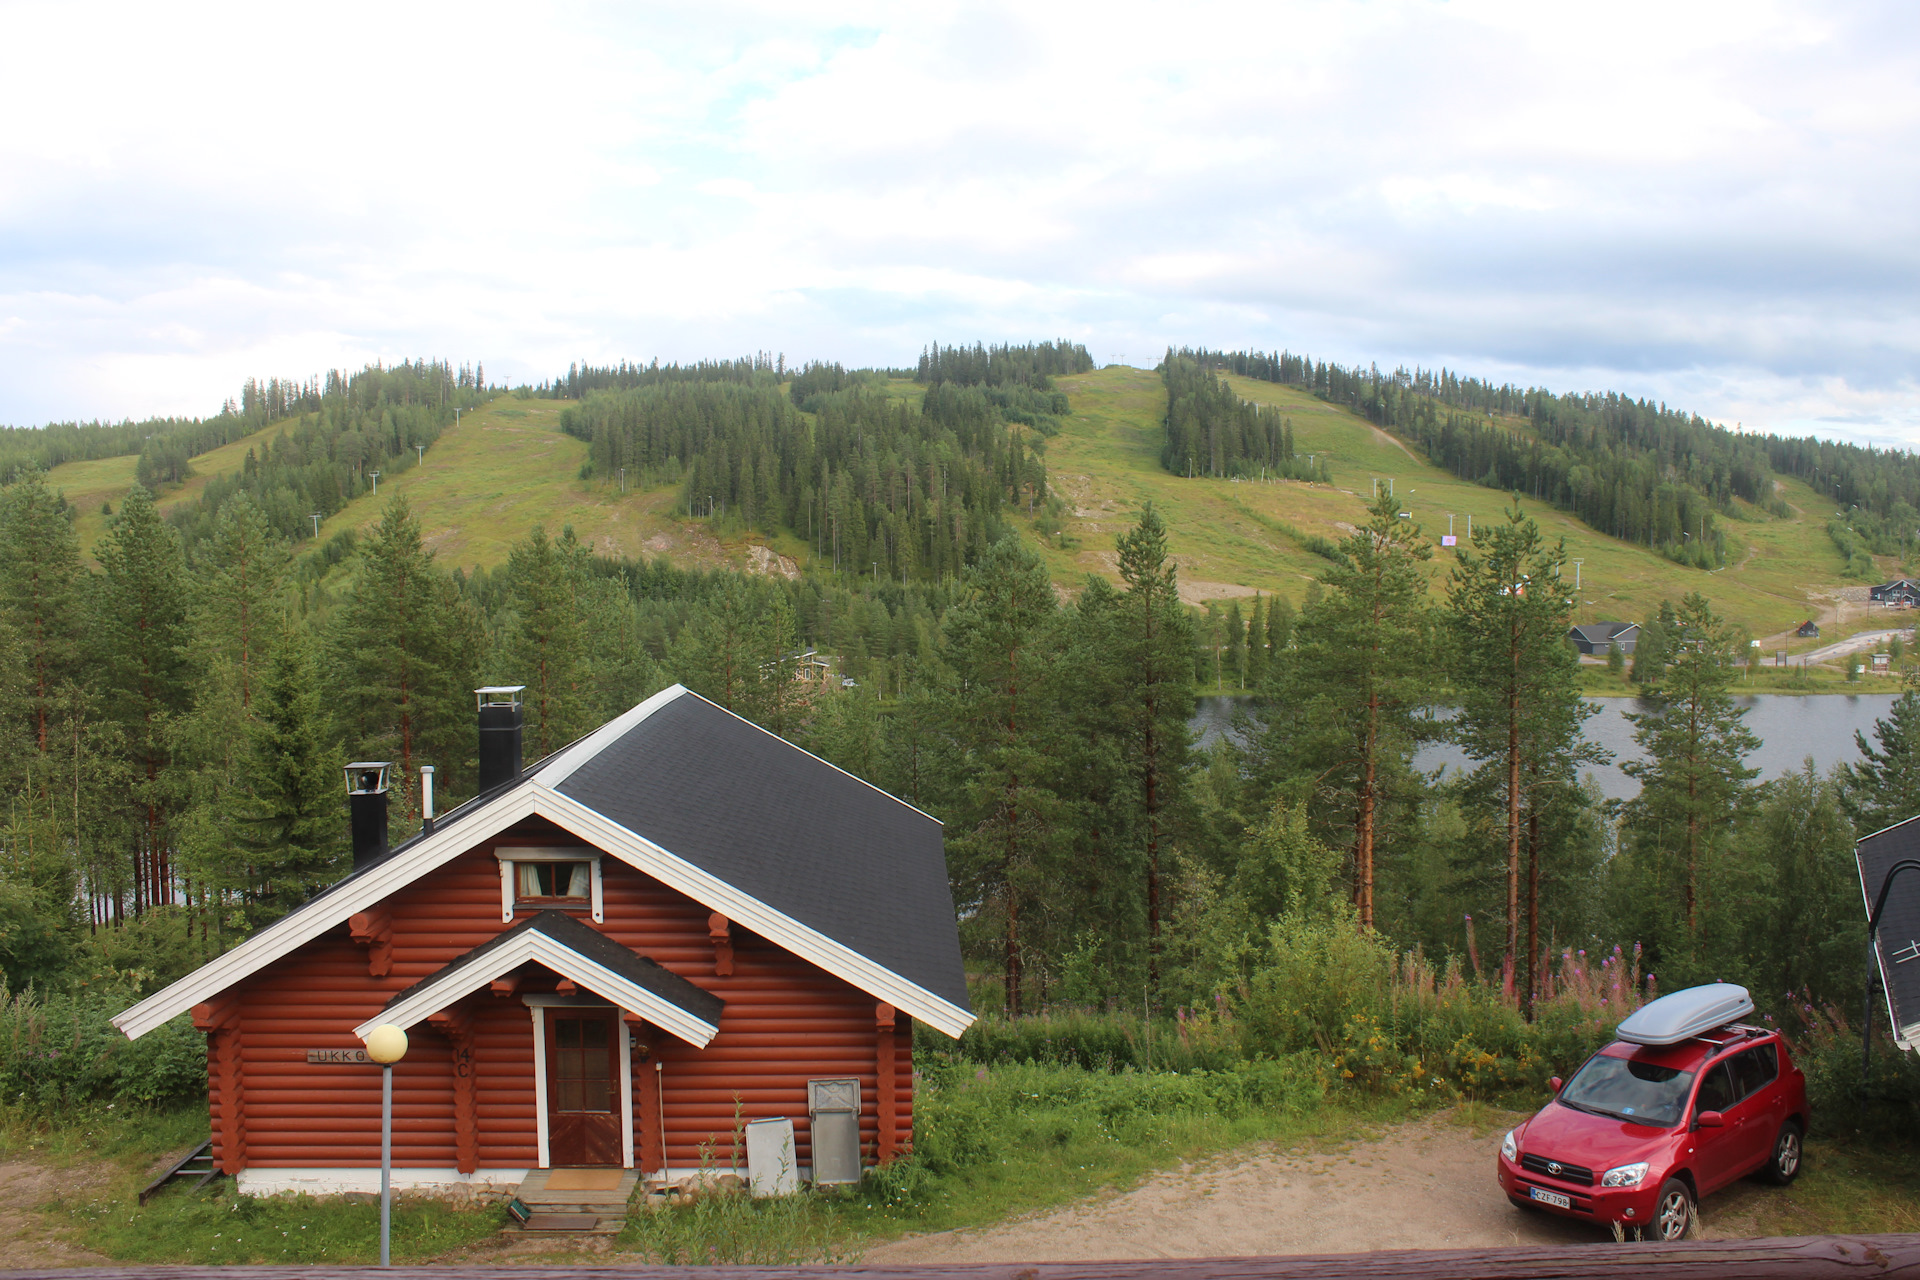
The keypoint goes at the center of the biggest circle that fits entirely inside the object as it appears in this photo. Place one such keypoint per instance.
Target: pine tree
(1696, 742)
(141, 635)
(1151, 647)
(1521, 709)
(1356, 685)
(1000, 637)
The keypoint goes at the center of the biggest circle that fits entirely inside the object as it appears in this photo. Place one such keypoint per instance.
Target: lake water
(1789, 728)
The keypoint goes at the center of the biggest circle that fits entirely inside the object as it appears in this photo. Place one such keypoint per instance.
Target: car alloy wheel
(1673, 1219)
(1785, 1164)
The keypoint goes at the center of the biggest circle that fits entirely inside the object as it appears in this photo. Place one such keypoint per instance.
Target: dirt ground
(1424, 1185)
(25, 1241)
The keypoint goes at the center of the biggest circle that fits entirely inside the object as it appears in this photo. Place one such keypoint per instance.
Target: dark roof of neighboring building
(596, 946)
(1899, 584)
(805, 838)
(1604, 630)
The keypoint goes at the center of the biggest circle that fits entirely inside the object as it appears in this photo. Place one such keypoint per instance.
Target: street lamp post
(386, 1046)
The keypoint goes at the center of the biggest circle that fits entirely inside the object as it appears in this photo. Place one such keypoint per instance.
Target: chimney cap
(499, 695)
(367, 777)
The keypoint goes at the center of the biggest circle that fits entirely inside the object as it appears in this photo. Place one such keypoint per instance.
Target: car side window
(1754, 1069)
(1716, 1090)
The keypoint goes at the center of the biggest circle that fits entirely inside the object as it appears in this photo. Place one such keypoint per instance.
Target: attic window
(537, 879)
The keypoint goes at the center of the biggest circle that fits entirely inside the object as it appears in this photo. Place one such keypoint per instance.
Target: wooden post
(647, 1147)
(886, 1072)
(457, 1026)
(220, 1019)
(720, 931)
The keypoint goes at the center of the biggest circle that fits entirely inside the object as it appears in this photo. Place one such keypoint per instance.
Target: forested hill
(336, 433)
(914, 488)
(1634, 469)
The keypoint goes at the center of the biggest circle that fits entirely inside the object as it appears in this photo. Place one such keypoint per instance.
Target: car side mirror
(1554, 1084)
(1709, 1120)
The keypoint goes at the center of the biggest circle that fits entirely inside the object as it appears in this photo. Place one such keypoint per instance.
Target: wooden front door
(583, 1087)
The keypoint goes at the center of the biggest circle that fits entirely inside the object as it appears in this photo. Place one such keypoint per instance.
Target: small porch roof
(577, 952)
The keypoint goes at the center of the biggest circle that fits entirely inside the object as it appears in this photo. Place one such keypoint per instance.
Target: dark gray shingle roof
(812, 842)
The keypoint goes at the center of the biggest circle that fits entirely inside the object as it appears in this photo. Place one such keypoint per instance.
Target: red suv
(1642, 1131)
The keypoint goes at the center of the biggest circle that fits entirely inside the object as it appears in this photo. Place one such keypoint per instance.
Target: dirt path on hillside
(1423, 1185)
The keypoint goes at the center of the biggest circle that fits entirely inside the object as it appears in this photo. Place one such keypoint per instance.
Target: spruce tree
(240, 575)
(1257, 644)
(543, 649)
(1000, 637)
(1883, 786)
(405, 656)
(295, 824)
(40, 594)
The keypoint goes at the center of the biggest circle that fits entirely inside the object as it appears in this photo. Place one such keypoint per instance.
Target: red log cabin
(611, 958)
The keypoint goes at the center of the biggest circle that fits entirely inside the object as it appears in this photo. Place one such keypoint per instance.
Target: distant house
(1899, 591)
(1808, 630)
(1598, 637)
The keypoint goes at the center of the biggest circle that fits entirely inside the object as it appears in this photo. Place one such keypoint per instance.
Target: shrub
(59, 1051)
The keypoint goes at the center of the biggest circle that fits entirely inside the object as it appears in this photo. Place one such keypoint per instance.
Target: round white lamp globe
(387, 1044)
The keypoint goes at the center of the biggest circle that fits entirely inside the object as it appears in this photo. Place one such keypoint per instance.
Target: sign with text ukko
(338, 1055)
(1897, 940)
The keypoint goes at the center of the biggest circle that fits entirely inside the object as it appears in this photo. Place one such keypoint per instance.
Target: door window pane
(583, 1066)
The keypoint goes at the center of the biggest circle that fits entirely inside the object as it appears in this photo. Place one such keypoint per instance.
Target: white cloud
(1710, 202)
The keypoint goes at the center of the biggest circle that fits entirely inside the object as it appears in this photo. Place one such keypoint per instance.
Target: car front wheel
(1783, 1166)
(1673, 1214)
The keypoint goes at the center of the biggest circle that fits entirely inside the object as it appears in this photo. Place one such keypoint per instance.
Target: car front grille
(1556, 1169)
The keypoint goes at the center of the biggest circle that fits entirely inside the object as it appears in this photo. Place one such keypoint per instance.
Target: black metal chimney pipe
(501, 719)
(367, 810)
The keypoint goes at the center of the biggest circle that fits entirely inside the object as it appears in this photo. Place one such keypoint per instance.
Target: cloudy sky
(1709, 203)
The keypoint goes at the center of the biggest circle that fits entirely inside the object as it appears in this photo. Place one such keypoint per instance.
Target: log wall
(785, 1021)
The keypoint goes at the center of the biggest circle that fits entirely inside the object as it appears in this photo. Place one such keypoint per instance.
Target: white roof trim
(536, 797)
(303, 926)
(562, 959)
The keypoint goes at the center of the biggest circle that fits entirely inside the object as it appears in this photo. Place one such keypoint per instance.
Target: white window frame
(509, 889)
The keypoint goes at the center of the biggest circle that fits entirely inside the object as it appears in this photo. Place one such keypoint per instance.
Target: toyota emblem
(1553, 1167)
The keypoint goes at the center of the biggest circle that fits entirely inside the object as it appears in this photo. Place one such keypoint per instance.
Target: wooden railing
(1895, 1257)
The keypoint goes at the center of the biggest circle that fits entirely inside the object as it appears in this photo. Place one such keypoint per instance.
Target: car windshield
(1638, 1091)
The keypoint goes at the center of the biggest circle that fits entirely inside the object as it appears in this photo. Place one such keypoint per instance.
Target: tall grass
(59, 1051)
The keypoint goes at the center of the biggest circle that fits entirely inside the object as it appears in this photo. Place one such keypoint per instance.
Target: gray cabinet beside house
(834, 1108)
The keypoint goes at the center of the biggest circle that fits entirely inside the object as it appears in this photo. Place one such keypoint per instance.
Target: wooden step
(578, 1209)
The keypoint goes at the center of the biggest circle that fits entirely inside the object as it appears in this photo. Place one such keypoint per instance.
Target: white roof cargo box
(1686, 1014)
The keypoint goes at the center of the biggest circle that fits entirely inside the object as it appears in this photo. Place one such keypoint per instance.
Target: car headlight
(1627, 1175)
(1511, 1149)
